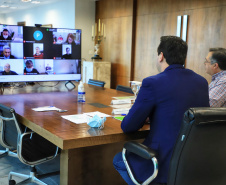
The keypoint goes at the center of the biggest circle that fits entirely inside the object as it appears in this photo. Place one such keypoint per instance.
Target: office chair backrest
(96, 82)
(10, 128)
(199, 156)
(124, 89)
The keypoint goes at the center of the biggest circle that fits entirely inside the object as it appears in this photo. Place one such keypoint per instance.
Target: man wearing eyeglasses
(215, 65)
(6, 54)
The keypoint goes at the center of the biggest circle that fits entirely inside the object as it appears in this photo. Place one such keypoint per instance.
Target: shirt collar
(174, 66)
(218, 75)
(6, 57)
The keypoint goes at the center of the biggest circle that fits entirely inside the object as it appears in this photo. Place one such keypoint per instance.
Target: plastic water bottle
(81, 93)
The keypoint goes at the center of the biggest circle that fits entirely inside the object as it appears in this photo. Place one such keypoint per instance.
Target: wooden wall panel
(156, 18)
(116, 48)
(147, 7)
(114, 8)
(206, 29)
(149, 30)
(196, 4)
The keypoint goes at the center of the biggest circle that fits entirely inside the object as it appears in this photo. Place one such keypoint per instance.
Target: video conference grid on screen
(39, 51)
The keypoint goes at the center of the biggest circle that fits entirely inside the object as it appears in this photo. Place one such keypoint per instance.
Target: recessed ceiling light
(25, 1)
(35, 2)
(4, 6)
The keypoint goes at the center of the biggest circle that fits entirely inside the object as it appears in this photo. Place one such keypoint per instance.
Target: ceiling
(15, 5)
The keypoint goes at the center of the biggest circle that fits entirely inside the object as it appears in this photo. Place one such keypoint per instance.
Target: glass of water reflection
(135, 88)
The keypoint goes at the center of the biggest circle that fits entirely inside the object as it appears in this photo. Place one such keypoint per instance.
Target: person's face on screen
(37, 50)
(68, 51)
(29, 66)
(5, 34)
(6, 52)
(7, 68)
(70, 40)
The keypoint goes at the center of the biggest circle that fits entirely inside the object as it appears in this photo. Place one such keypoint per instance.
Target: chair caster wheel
(12, 182)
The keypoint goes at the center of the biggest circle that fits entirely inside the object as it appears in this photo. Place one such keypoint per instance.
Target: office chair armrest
(140, 150)
(27, 133)
(144, 152)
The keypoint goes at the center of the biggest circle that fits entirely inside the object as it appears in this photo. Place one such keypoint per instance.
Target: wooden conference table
(87, 153)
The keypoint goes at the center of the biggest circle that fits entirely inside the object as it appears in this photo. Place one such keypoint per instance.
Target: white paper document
(121, 106)
(85, 117)
(77, 118)
(124, 97)
(117, 102)
(121, 111)
(100, 114)
(45, 108)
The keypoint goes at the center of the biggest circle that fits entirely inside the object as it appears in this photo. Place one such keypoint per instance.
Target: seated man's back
(163, 99)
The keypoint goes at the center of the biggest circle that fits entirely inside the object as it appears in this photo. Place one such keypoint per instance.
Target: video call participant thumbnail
(70, 39)
(38, 54)
(29, 69)
(6, 54)
(7, 70)
(67, 55)
(5, 35)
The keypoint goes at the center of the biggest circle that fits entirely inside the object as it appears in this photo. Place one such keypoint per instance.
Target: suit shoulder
(197, 78)
(155, 78)
(196, 74)
(149, 80)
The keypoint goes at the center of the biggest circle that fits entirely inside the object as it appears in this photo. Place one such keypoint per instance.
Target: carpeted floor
(8, 164)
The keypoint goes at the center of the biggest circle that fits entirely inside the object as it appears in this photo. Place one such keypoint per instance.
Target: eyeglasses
(6, 66)
(206, 61)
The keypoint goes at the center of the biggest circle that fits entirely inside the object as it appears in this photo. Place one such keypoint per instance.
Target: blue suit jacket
(163, 98)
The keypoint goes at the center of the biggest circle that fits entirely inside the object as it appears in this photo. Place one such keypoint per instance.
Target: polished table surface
(63, 133)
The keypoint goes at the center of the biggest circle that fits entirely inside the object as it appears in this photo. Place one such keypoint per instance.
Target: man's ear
(161, 57)
(215, 65)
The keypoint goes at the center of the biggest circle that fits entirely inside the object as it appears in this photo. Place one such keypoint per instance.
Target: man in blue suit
(163, 98)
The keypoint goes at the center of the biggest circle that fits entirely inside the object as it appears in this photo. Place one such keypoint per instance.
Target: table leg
(90, 166)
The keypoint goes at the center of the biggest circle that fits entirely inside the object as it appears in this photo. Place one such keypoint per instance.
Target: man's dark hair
(218, 56)
(174, 49)
(5, 30)
(216, 49)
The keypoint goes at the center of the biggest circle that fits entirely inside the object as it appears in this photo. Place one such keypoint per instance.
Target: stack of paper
(121, 105)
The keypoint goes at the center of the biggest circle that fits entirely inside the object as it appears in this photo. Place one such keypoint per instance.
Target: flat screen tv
(29, 54)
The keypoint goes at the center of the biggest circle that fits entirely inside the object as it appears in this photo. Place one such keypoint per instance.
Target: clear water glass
(135, 88)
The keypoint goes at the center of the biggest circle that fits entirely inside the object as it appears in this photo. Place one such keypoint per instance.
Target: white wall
(84, 19)
(60, 14)
(2, 17)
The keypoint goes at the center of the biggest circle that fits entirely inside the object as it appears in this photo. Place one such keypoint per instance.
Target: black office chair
(9, 150)
(199, 154)
(96, 82)
(32, 149)
(124, 89)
